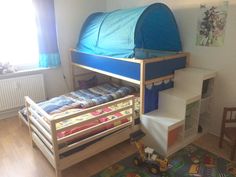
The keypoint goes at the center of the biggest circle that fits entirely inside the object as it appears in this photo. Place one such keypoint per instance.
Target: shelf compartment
(191, 116)
(175, 136)
(163, 130)
(207, 88)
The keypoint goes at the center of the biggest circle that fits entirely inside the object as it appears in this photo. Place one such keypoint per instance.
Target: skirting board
(9, 114)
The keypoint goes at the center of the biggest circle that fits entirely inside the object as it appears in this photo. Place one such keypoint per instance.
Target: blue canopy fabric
(124, 33)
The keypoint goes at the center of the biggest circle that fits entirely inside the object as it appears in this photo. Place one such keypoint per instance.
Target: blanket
(86, 98)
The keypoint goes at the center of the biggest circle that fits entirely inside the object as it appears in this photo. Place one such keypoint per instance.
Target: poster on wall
(211, 24)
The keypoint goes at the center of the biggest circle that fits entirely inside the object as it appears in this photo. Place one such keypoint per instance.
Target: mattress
(86, 98)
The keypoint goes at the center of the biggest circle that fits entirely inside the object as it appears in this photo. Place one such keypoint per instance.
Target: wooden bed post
(72, 71)
(142, 86)
(28, 118)
(73, 77)
(133, 110)
(55, 149)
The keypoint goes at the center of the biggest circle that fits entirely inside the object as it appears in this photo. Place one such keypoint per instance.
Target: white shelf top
(166, 119)
(205, 74)
(187, 96)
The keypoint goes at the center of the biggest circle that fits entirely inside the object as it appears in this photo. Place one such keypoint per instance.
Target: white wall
(221, 59)
(70, 15)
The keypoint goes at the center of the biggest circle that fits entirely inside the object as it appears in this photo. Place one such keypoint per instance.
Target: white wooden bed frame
(43, 131)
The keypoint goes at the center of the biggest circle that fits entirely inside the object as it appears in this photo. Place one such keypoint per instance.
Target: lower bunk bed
(73, 127)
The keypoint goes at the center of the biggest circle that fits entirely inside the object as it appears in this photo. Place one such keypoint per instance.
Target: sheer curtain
(47, 38)
(28, 34)
(18, 36)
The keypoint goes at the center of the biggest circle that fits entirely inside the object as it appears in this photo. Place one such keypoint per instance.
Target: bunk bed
(135, 45)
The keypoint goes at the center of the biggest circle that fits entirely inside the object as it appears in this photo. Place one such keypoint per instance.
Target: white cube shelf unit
(200, 81)
(175, 123)
(206, 104)
(167, 128)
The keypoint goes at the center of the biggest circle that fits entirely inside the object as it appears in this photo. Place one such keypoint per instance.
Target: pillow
(84, 84)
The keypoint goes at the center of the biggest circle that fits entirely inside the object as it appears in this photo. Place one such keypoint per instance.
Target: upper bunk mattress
(127, 33)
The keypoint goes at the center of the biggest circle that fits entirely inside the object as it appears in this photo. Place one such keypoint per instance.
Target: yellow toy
(147, 155)
(194, 169)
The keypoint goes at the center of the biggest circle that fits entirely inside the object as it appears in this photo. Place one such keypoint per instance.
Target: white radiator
(13, 90)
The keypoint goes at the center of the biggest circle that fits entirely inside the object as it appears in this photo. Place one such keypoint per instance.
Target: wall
(70, 15)
(221, 59)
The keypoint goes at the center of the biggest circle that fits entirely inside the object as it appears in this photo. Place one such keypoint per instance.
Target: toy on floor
(194, 169)
(195, 160)
(147, 156)
(209, 161)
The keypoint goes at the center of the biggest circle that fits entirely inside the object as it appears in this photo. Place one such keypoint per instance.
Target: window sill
(26, 72)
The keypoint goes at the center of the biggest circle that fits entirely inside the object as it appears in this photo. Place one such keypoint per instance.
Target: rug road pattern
(191, 161)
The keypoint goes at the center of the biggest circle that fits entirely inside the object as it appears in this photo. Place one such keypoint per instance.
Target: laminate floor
(19, 159)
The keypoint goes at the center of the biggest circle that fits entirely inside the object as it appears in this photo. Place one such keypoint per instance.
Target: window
(18, 34)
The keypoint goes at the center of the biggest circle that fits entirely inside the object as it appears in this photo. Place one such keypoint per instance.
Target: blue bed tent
(131, 33)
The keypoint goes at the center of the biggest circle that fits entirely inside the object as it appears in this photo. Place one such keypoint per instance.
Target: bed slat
(99, 146)
(45, 151)
(94, 118)
(88, 110)
(94, 137)
(83, 132)
(40, 119)
(44, 140)
(41, 128)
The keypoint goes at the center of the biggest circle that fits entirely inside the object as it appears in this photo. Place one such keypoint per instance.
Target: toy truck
(147, 156)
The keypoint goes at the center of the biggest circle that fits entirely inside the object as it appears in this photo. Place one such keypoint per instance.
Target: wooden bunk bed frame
(43, 130)
(143, 65)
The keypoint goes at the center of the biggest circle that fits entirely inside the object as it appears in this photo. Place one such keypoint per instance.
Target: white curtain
(18, 35)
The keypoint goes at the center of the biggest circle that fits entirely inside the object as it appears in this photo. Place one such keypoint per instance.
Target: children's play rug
(191, 161)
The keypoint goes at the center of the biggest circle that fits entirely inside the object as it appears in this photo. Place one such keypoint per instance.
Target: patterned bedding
(96, 122)
(77, 101)
(86, 98)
